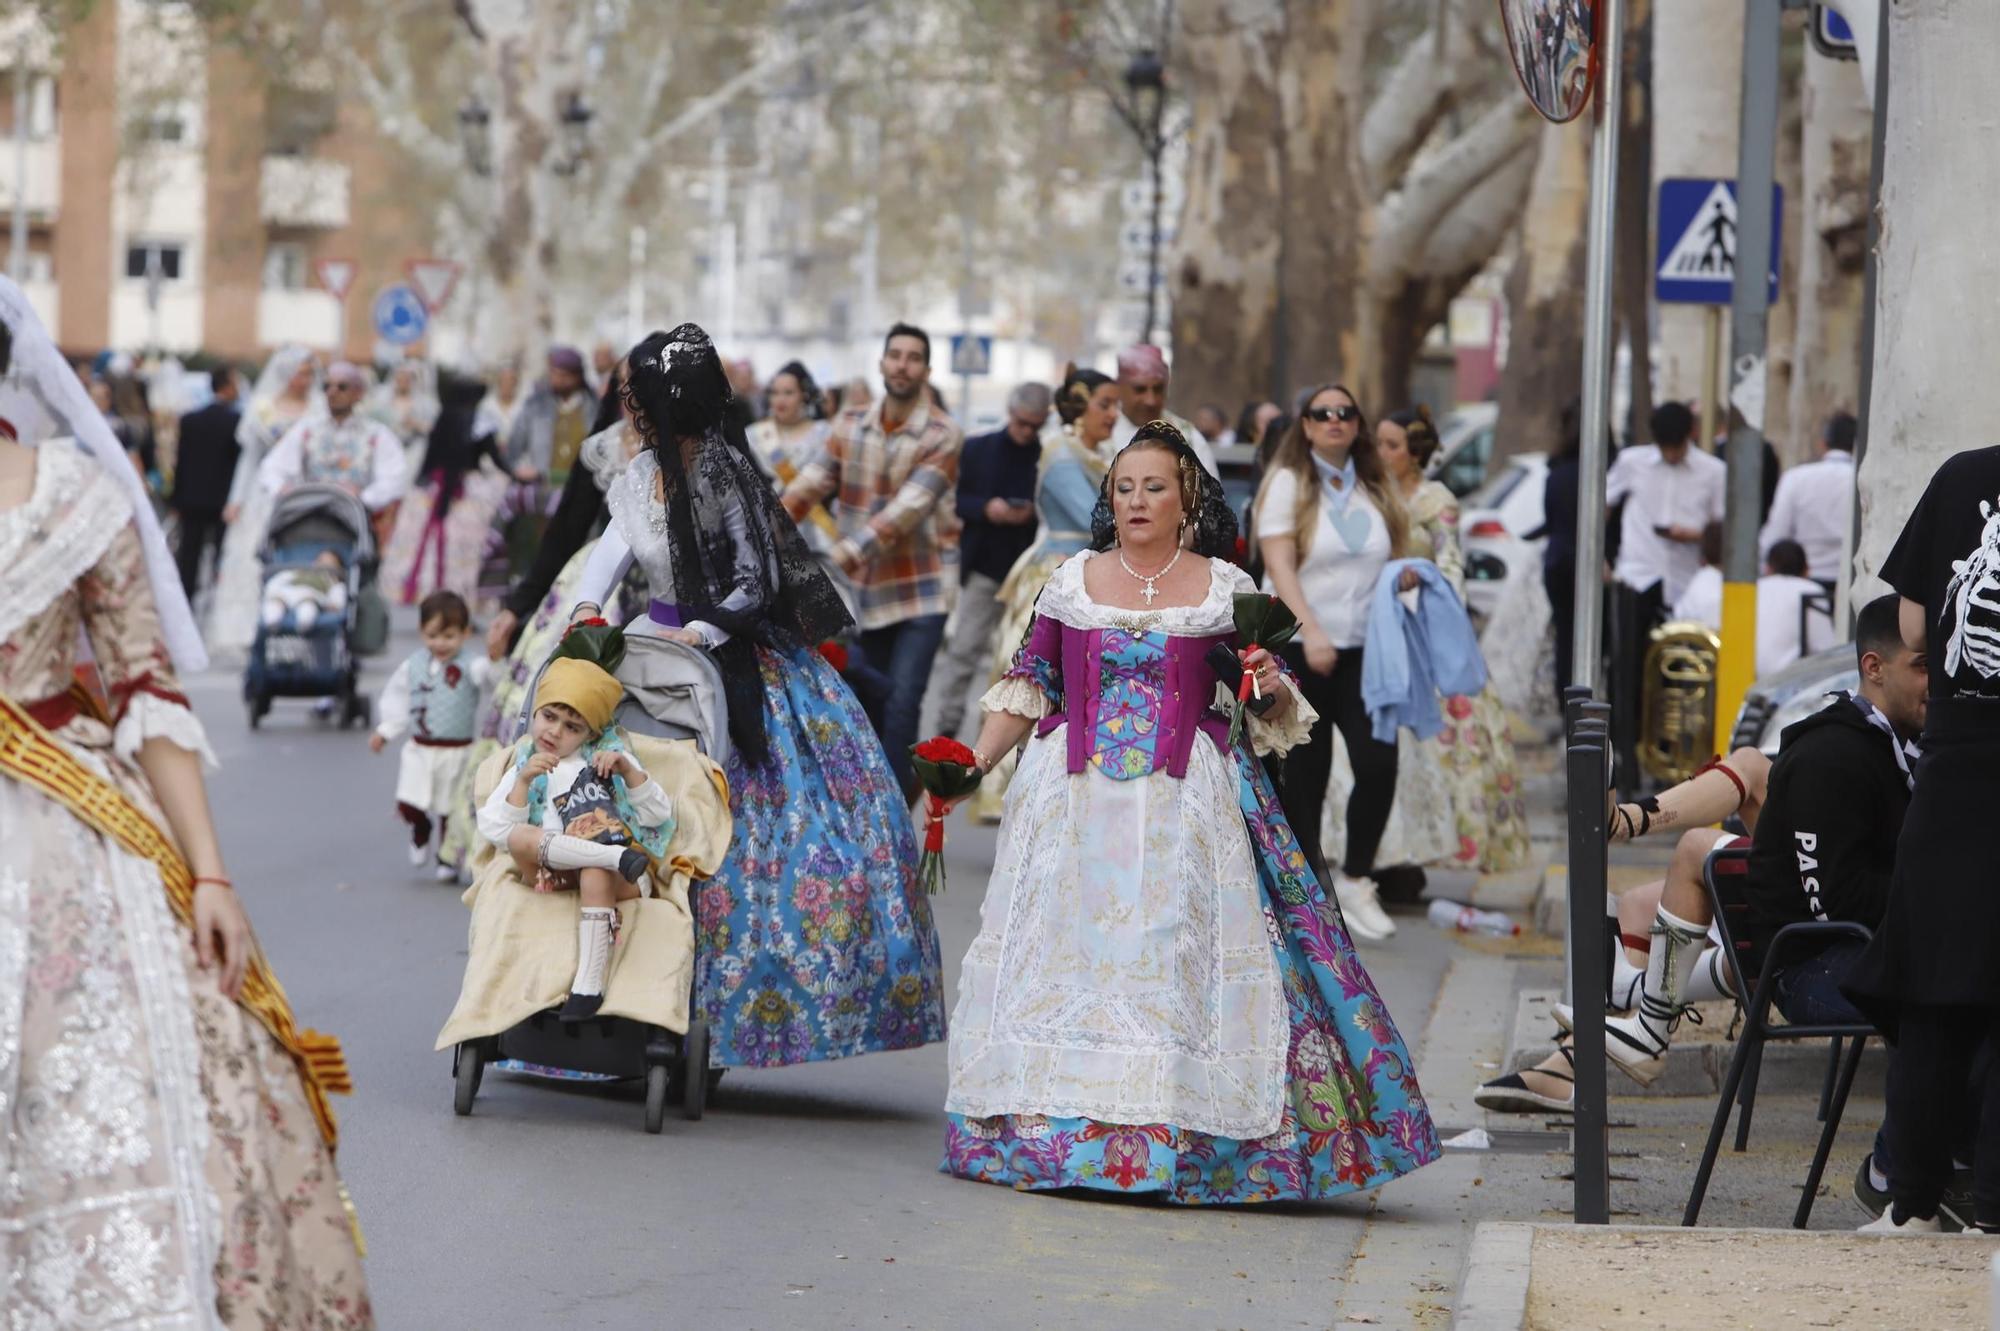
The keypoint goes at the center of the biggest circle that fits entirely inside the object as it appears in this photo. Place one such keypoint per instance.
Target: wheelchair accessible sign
(399, 315)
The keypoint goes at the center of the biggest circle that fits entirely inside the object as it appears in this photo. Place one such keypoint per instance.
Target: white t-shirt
(1343, 559)
(1688, 494)
(1778, 622)
(1701, 600)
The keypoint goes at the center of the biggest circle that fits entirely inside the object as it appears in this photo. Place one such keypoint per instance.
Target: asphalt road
(808, 1197)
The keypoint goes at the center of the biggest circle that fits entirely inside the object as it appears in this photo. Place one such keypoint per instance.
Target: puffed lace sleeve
(123, 626)
(1032, 685)
(1287, 733)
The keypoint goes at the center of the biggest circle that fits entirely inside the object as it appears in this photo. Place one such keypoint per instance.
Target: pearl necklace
(1150, 590)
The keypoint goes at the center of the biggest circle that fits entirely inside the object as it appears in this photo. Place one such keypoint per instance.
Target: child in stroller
(578, 801)
(320, 610)
(522, 956)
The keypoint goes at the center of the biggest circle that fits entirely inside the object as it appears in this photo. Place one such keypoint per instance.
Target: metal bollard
(1589, 776)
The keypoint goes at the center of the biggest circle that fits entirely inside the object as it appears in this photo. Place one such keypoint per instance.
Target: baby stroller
(672, 692)
(322, 662)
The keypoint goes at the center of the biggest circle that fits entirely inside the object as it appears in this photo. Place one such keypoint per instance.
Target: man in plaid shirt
(889, 471)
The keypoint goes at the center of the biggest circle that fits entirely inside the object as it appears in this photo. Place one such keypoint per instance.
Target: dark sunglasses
(1325, 414)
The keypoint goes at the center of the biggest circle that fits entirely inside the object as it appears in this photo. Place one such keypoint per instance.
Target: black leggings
(1937, 1054)
(1304, 772)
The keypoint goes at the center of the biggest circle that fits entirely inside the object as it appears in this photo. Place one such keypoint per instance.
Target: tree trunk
(1545, 296)
(1224, 280)
(1264, 297)
(1697, 100)
(1832, 207)
(1780, 329)
(1934, 392)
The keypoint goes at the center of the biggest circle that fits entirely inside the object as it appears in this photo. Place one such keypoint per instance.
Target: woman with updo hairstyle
(1160, 998)
(1327, 523)
(792, 427)
(1469, 767)
(814, 940)
(1066, 489)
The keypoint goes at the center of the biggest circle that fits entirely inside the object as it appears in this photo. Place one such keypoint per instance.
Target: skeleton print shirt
(1948, 561)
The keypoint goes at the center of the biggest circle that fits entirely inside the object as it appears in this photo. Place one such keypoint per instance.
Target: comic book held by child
(578, 804)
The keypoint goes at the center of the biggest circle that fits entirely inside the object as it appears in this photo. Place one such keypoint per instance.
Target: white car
(1494, 525)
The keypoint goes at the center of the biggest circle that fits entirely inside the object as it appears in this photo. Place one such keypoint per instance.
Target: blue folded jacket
(1413, 657)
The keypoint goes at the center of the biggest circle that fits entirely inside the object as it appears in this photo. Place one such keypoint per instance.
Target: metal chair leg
(1826, 1086)
(1747, 1097)
(1724, 1104)
(1826, 1136)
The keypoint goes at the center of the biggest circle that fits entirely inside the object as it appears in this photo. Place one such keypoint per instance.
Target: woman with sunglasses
(1326, 523)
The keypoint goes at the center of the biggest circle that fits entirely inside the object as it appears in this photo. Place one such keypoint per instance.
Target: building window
(285, 266)
(166, 124)
(141, 256)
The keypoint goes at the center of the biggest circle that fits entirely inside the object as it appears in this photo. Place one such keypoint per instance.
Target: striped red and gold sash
(32, 755)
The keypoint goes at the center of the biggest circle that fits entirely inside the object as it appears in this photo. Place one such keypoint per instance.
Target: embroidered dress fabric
(160, 1166)
(1184, 1017)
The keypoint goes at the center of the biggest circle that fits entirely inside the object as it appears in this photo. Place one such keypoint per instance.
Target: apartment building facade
(180, 198)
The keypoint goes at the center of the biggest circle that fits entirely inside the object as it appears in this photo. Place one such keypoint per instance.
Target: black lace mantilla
(1214, 523)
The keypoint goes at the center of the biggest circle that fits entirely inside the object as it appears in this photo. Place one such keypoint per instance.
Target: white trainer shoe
(1886, 1224)
(1361, 907)
(419, 856)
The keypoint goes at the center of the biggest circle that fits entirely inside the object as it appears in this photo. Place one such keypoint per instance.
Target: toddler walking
(577, 804)
(433, 697)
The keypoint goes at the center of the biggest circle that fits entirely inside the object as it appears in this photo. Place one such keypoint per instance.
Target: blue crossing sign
(1695, 259)
(971, 354)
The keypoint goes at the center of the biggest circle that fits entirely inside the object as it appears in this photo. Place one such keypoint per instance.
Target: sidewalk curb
(1493, 1282)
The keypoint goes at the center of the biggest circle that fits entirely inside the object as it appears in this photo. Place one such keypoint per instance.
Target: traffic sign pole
(1750, 307)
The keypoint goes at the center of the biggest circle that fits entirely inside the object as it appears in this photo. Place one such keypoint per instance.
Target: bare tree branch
(1433, 77)
(1407, 218)
(392, 99)
(1471, 233)
(464, 10)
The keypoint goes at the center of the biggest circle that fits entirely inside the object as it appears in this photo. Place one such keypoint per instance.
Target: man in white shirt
(1670, 491)
(1142, 398)
(342, 447)
(1815, 503)
(1786, 630)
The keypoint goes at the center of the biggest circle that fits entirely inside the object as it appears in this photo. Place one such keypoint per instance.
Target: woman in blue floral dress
(814, 940)
(1161, 998)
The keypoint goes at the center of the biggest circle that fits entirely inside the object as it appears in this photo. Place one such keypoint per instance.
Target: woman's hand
(1321, 654)
(221, 934)
(1263, 667)
(585, 610)
(1408, 581)
(499, 633)
(685, 635)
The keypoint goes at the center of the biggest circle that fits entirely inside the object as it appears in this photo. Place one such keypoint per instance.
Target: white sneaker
(1886, 1224)
(447, 873)
(1362, 908)
(419, 856)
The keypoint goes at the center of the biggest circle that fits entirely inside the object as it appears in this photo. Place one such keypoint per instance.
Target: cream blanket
(522, 943)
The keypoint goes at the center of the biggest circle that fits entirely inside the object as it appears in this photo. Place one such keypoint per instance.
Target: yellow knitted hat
(584, 687)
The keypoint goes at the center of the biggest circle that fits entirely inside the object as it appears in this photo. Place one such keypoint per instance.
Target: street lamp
(473, 122)
(1146, 82)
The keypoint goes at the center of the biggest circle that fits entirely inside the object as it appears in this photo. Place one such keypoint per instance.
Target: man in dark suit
(205, 465)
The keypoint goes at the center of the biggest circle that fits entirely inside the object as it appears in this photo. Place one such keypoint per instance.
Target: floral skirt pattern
(1354, 1117)
(1476, 753)
(815, 940)
(421, 558)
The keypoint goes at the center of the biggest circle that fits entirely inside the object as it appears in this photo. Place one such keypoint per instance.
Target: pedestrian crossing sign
(971, 353)
(1696, 259)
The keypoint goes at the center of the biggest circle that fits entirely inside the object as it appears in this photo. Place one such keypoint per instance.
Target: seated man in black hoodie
(1824, 849)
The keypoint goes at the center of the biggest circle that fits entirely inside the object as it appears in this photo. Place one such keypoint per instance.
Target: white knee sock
(573, 852)
(1677, 946)
(1710, 980)
(305, 615)
(593, 949)
(274, 614)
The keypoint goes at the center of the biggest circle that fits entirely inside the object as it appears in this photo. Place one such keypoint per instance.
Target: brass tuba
(1677, 717)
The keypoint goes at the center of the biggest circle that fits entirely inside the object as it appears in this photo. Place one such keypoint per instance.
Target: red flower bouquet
(948, 771)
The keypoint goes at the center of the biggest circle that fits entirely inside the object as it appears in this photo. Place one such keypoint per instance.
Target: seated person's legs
(1735, 784)
(305, 614)
(273, 612)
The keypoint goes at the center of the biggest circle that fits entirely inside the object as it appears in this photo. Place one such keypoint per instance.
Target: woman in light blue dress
(814, 940)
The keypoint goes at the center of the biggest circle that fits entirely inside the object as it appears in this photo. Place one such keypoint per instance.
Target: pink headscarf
(1144, 361)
